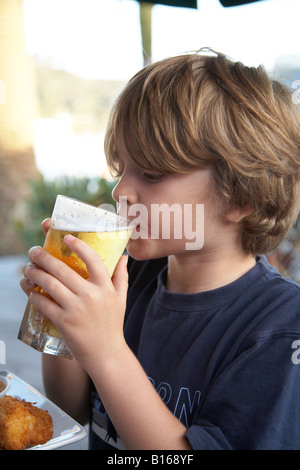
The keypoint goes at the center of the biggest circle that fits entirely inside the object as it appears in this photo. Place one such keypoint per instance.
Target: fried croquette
(22, 424)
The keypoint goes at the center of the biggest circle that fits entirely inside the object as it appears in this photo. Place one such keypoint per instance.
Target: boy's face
(168, 209)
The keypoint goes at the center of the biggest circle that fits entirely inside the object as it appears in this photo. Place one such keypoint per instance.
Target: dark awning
(193, 3)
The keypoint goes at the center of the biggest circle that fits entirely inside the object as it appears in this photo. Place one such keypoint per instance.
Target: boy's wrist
(99, 363)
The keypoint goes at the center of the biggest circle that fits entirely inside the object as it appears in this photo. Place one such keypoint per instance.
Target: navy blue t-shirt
(226, 361)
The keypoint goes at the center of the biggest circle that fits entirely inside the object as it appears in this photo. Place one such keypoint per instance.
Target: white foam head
(72, 215)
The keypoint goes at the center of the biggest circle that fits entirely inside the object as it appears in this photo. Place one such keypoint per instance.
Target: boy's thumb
(120, 276)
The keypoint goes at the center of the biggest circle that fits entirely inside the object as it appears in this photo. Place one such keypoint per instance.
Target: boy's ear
(237, 214)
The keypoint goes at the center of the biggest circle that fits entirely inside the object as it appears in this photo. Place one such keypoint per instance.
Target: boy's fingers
(27, 285)
(120, 276)
(58, 269)
(31, 252)
(95, 266)
(46, 225)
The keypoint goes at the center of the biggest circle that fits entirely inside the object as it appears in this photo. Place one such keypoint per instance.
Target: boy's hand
(25, 283)
(89, 313)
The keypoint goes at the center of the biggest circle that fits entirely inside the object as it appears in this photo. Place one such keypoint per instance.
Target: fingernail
(69, 237)
(34, 251)
(27, 269)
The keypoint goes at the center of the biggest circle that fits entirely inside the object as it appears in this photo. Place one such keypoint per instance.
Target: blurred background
(62, 64)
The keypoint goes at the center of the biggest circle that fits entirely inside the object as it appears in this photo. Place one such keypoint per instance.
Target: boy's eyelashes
(149, 175)
(153, 177)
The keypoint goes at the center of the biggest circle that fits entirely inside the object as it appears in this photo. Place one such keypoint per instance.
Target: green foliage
(40, 204)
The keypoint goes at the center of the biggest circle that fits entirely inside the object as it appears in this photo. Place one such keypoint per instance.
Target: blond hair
(195, 111)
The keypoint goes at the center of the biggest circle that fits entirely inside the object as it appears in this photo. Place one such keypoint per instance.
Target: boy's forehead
(133, 157)
(120, 149)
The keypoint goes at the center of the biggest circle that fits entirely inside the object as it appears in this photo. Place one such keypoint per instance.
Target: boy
(208, 354)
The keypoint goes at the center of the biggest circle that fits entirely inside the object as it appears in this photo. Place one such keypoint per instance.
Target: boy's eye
(153, 177)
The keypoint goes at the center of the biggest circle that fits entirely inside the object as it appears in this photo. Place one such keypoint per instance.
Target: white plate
(65, 429)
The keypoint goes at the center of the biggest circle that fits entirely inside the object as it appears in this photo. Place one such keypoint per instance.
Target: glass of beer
(105, 231)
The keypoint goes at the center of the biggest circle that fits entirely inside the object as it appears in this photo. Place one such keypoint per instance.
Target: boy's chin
(142, 250)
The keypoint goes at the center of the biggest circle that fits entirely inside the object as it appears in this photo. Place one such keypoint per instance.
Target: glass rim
(102, 218)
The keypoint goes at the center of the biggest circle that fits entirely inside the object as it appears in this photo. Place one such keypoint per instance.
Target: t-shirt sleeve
(254, 402)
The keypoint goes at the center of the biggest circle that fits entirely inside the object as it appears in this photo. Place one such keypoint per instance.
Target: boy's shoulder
(276, 281)
(277, 303)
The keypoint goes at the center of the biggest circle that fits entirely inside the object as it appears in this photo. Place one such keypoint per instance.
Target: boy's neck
(196, 272)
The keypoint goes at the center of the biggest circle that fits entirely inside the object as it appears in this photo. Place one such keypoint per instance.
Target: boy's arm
(67, 384)
(139, 415)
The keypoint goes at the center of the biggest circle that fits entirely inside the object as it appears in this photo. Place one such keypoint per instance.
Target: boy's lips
(136, 227)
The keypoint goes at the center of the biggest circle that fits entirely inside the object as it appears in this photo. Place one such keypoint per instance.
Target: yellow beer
(108, 245)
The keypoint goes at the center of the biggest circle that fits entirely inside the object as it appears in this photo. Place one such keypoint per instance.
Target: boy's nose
(125, 190)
